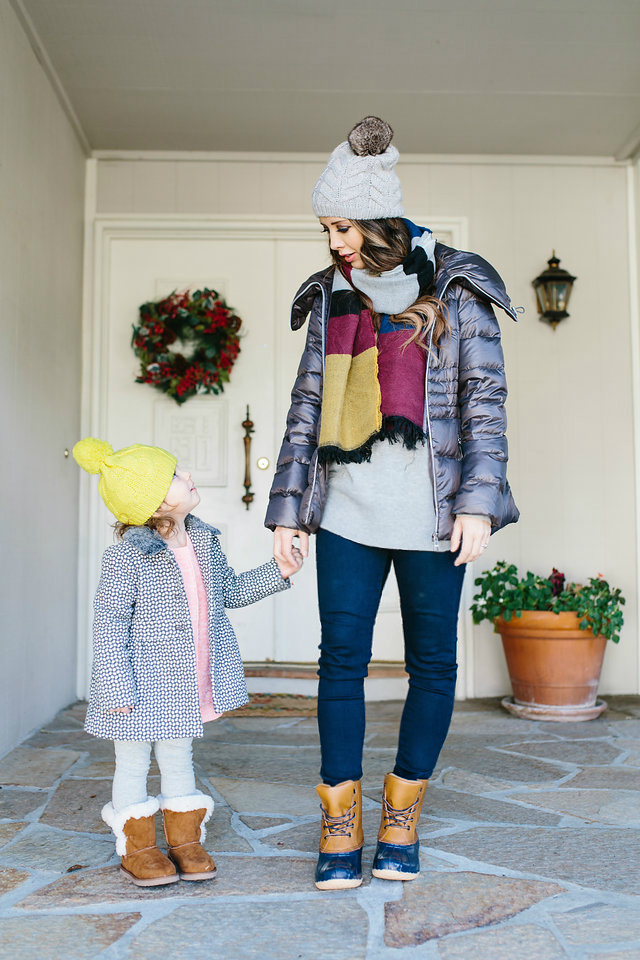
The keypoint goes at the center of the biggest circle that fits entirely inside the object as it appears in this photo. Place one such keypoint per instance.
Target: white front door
(257, 270)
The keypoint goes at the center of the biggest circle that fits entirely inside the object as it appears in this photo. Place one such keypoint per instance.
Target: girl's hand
(121, 710)
(288, 557)
(474, 534)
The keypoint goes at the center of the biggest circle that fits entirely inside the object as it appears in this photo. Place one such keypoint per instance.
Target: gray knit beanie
(359, 181)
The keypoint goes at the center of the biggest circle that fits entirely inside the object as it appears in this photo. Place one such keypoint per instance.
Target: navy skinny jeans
(351, 577)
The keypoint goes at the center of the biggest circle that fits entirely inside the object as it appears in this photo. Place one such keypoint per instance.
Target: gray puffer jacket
(465, 390)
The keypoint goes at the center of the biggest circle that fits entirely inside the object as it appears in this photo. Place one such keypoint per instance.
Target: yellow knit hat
(133, 482)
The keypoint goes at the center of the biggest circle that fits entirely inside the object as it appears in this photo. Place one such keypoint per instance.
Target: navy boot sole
(339, 871)
(394, 861)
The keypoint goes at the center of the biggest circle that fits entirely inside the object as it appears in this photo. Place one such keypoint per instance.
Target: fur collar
(150, 542)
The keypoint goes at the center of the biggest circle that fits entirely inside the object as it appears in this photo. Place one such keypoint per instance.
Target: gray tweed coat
(465, 390)
(143, 645)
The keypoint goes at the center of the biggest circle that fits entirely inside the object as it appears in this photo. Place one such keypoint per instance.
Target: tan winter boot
(184, 821)
(397, 854)
(135, 832)
(340, 857)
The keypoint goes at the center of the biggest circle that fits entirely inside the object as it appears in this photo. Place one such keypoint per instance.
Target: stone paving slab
(474, 783)
(600, 924)
(10, 879)
(254, 796)
(618, 807)
(73, 739)
(273, 931)
(435, 906)
(580, 730)
(585, 752)
(629, 704)
(66, 720)
(598, 857)
(263, 823)
(440, 802)
(629, 728)
(479, 758)
(237, 876)
(62, 938)
(41, 848)
(16, 804)
(76, 805)
(33, 767)
(9, 830)
(517, 942)
(93, 770)
(256, 762)
(287, 737)
(498, 724)
(612, 778)
(632, 954)
(221, 837)
(632, 748)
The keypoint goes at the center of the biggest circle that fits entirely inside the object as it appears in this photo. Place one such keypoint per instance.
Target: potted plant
(554, 635)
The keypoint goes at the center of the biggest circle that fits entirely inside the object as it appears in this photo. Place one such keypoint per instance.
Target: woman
(394, 452)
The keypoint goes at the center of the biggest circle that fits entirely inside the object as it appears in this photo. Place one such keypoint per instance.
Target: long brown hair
(386, 244)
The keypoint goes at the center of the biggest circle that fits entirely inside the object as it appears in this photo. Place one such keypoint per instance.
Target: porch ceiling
(452, 76)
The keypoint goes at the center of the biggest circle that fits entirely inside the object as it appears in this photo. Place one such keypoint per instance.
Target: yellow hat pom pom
(90, 453)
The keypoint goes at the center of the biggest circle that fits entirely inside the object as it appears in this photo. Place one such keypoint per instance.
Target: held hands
(474, 534)
(288, 557)
(121, 710)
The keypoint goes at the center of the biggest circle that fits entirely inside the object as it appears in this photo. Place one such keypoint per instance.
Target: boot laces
(397, 816)
(339, 826)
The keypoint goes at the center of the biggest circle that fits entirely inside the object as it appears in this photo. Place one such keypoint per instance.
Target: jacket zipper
(315, 469)
(434, 538)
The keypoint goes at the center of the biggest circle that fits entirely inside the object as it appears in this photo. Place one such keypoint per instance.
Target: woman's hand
(121, 710)
(288, 557)
(474, 534)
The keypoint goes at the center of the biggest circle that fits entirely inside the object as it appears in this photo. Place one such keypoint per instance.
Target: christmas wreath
(200, 320)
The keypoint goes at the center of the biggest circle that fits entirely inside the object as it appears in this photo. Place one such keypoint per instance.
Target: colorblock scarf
(374, 387)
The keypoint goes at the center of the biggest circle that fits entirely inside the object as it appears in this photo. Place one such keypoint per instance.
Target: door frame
(101, 232)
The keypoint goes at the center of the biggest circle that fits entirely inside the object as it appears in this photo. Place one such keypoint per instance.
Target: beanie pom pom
(90, 453)
(370, 137)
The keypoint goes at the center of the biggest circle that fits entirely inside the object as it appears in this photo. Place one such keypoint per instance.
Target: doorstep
(386, 681)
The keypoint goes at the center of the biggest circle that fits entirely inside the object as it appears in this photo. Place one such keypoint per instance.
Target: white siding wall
(570, 406)
(41, 193)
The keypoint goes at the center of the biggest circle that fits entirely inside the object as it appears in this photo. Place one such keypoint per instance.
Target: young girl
(165, 657)
(403, 346)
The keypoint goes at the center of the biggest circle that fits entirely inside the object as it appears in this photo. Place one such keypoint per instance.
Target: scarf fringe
(394, 429)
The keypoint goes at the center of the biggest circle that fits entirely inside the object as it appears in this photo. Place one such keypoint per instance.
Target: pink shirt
(199, 613)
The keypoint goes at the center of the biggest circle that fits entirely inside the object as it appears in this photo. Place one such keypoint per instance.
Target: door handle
(247, 425)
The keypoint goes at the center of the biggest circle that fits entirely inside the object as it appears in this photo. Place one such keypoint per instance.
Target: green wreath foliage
(200, 320)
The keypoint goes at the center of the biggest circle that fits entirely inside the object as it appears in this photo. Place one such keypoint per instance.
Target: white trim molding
(450, 159)
(633, 219)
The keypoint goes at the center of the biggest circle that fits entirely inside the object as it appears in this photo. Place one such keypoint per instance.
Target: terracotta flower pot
(554, 666)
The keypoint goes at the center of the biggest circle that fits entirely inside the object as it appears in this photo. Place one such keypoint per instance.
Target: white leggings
(133, 758)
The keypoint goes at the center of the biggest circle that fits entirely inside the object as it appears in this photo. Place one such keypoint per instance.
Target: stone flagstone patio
(530, 847)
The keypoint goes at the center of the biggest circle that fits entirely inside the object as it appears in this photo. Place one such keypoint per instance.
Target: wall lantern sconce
(553, 289)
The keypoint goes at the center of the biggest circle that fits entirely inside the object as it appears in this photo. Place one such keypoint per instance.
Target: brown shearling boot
(135, 832)
(184, 820)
